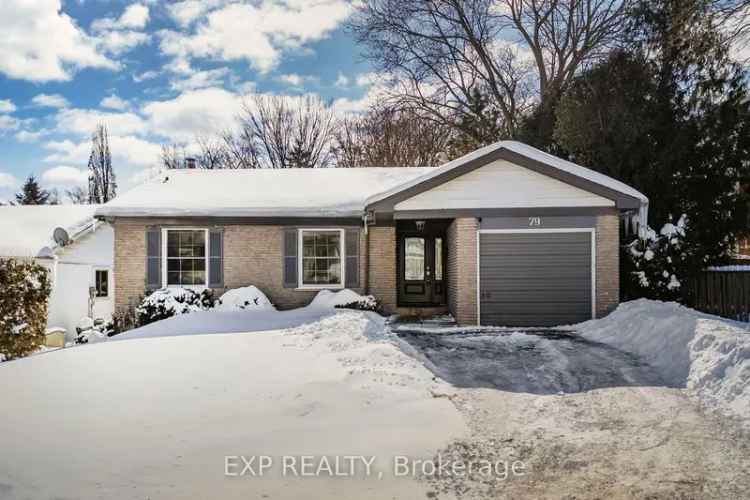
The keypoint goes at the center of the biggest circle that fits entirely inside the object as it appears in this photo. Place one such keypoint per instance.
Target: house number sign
(535, 221)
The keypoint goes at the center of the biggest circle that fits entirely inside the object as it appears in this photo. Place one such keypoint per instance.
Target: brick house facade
(548, 229)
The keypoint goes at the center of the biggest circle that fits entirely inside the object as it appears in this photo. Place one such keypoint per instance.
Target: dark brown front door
(421, 268)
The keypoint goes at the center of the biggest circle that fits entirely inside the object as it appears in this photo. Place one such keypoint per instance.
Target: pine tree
(33, 194)
(671, 118)
(102, 182)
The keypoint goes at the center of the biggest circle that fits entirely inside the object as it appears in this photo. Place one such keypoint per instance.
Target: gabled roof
(624, 196)
(294, 192)
(27, 230)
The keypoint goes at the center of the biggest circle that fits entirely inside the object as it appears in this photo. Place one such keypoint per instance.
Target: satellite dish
(60, 235)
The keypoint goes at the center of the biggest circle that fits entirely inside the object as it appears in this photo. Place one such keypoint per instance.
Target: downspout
(367, 255)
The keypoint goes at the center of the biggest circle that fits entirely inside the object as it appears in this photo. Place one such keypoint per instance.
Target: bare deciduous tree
(386, 137)
(102, 183)
(283, 132)
(77, 195)
(437, 52)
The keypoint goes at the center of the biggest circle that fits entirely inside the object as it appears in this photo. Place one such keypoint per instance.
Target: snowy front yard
(156, 414)
(155, 417)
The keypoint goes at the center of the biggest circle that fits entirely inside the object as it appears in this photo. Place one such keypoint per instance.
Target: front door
(421, 268)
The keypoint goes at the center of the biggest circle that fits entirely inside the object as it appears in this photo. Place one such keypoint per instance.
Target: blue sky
(156, 72)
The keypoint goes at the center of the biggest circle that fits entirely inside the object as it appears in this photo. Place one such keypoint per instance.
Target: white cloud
(8, 181)
(201, 79)
(185, 13)
(40, 43)
(118, 42)
(28, 135)
(146, 75)
(7, 106)
(65, 176)
(8, 123)
(114, 102)
(135, 16)
(50, 101)
(342, 80)
(197, 112)
(292, 79)
(127, 151)
(257, 33)
(83, 122)
(367, 79)
(346, 105)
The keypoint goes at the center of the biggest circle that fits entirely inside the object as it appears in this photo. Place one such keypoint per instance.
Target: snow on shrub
(326, 299)
(245, 298)
(659, 262)
(24, 291)
(168, 302)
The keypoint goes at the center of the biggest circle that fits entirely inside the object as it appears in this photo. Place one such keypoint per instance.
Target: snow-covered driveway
(534, 362)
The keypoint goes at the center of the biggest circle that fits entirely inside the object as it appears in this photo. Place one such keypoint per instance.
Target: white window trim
(109, 281)
(164, 232)
(590, 230)
(342, 255)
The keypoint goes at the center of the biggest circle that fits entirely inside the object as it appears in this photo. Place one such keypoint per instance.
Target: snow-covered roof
(315, 192)
(27, 230)
(523, 150)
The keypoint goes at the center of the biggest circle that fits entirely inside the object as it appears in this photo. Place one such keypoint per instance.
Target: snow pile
(705, 354)
(245, 298)
(235, 320)
(326, 299)
(720, 371)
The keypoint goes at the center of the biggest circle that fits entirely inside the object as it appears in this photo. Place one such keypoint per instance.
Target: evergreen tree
(480, 124)
(672, 118)
(33, 194)
(102, 182)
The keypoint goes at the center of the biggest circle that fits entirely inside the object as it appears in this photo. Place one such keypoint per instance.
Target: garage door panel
(535, 279)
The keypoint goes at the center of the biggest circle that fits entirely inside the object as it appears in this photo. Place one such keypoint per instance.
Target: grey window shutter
(290, 258)
(216, 258)
(352, 258)
(153, 258)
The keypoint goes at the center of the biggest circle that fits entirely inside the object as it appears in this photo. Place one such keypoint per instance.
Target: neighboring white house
(77, 250)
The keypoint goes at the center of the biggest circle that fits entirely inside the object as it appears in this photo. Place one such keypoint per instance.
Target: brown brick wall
(382, 268)
(462, 270)
(607, 262)
(252, 256)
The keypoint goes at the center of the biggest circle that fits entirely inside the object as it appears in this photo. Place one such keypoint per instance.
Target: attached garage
(536, 277)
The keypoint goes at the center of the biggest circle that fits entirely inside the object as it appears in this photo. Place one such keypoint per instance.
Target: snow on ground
(708, 355)
(155, 417)
(231, 320)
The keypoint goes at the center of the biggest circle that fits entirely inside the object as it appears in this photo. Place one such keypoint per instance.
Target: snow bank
(706, 354)
(326, 299)
(322, 389)
(245, 298)
(230, 319)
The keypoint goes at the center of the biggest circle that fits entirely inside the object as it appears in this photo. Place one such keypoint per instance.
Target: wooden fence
(724, 293)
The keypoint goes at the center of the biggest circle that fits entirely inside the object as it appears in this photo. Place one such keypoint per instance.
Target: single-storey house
(506, 235)
(76, 248)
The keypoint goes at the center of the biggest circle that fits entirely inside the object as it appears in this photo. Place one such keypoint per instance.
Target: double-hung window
(186, 256)
(322, 251)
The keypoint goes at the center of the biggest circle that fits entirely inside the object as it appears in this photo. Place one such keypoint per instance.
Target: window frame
(300, 259)
(95, 270)
(165, 258)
